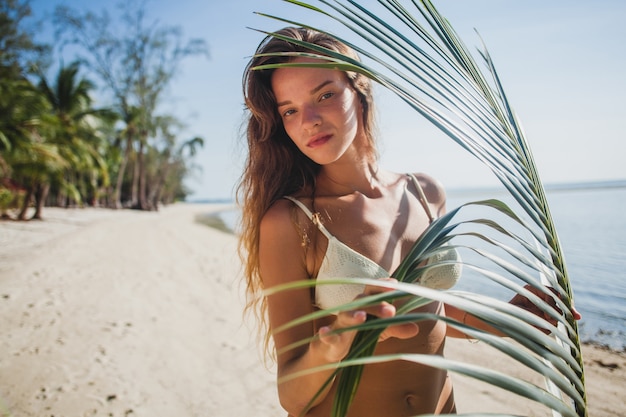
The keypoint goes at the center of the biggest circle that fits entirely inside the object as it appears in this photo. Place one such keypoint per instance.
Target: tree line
(57, 148)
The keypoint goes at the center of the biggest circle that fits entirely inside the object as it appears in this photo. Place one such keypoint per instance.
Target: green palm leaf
(427, 65)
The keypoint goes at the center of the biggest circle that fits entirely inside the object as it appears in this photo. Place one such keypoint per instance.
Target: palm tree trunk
(40, 198)
(157, 188)
(60, 198)
(143, 202)
(25, 203)
(117, 193)
(134, 196)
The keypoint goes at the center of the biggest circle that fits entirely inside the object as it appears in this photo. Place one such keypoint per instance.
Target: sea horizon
(454, 191)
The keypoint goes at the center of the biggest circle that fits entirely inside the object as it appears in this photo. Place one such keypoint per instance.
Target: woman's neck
(365, 179)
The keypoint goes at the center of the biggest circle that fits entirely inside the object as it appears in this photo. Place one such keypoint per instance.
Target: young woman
(316, 205)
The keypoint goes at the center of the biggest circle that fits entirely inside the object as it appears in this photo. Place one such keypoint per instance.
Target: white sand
(123, 313)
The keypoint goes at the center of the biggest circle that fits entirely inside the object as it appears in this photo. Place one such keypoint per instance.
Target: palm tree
(166, 165)
(76, 135)
(178, 167)
(136, 65)
(28, 159)
(131, 117)
(426, 64)
(24, 158)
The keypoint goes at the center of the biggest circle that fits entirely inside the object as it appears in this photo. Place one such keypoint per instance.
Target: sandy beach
(125, 313)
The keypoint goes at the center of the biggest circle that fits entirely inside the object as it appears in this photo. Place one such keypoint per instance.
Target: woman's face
(320, 111)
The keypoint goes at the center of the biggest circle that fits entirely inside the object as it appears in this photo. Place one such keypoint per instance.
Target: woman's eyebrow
(322, 85)
(313, 91)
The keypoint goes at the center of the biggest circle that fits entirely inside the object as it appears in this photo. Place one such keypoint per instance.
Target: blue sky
(562, 63)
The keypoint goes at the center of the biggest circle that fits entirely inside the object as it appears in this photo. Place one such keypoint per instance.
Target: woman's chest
(382, 231)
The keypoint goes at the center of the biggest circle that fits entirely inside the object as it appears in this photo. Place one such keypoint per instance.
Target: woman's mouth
(318, 141)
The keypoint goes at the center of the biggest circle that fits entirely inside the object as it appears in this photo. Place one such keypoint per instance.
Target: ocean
(591, 223)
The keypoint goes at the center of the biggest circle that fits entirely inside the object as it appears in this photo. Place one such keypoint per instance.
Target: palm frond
(425, 63)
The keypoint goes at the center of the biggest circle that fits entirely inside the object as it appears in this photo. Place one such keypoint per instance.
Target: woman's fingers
(575, 313)
(526, 304)
(338, 343)
(383, 309)
(400, 331)
(387, 310)
(344, 319)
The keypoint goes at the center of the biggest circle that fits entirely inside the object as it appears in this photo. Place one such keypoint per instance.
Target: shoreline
(123, 312)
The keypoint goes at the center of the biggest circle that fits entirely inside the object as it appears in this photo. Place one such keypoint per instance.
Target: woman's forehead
(304, 79)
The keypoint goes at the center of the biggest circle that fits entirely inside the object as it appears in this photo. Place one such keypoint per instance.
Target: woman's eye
(326, 96)
(288, 113)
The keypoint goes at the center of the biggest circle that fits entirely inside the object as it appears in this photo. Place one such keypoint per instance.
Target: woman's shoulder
(280, 218)
(277, 234)
(433, 189)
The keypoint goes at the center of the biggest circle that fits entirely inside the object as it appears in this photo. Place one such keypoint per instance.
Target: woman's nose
(310, 117)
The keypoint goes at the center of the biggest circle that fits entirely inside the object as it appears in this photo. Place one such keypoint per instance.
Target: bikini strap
(422, 198)
(313, 217)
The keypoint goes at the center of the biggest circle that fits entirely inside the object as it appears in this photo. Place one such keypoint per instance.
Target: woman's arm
(283, 259)
(468, 319)
(517, 300)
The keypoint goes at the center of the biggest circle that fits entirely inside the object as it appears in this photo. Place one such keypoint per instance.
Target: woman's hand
(526, 304)
(338, 344)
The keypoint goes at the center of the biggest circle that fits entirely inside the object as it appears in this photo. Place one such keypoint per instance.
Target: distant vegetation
(56, 147)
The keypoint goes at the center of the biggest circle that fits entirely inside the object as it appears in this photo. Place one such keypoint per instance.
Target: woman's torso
(383, 229)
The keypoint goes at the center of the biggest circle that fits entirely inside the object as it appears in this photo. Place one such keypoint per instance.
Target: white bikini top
(341, 261)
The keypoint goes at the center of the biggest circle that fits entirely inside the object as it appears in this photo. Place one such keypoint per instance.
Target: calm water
(591, 224)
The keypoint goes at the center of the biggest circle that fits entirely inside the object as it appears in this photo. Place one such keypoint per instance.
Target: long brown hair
(275, 167)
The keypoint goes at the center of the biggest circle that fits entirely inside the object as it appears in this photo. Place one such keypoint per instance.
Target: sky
(562, 64)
